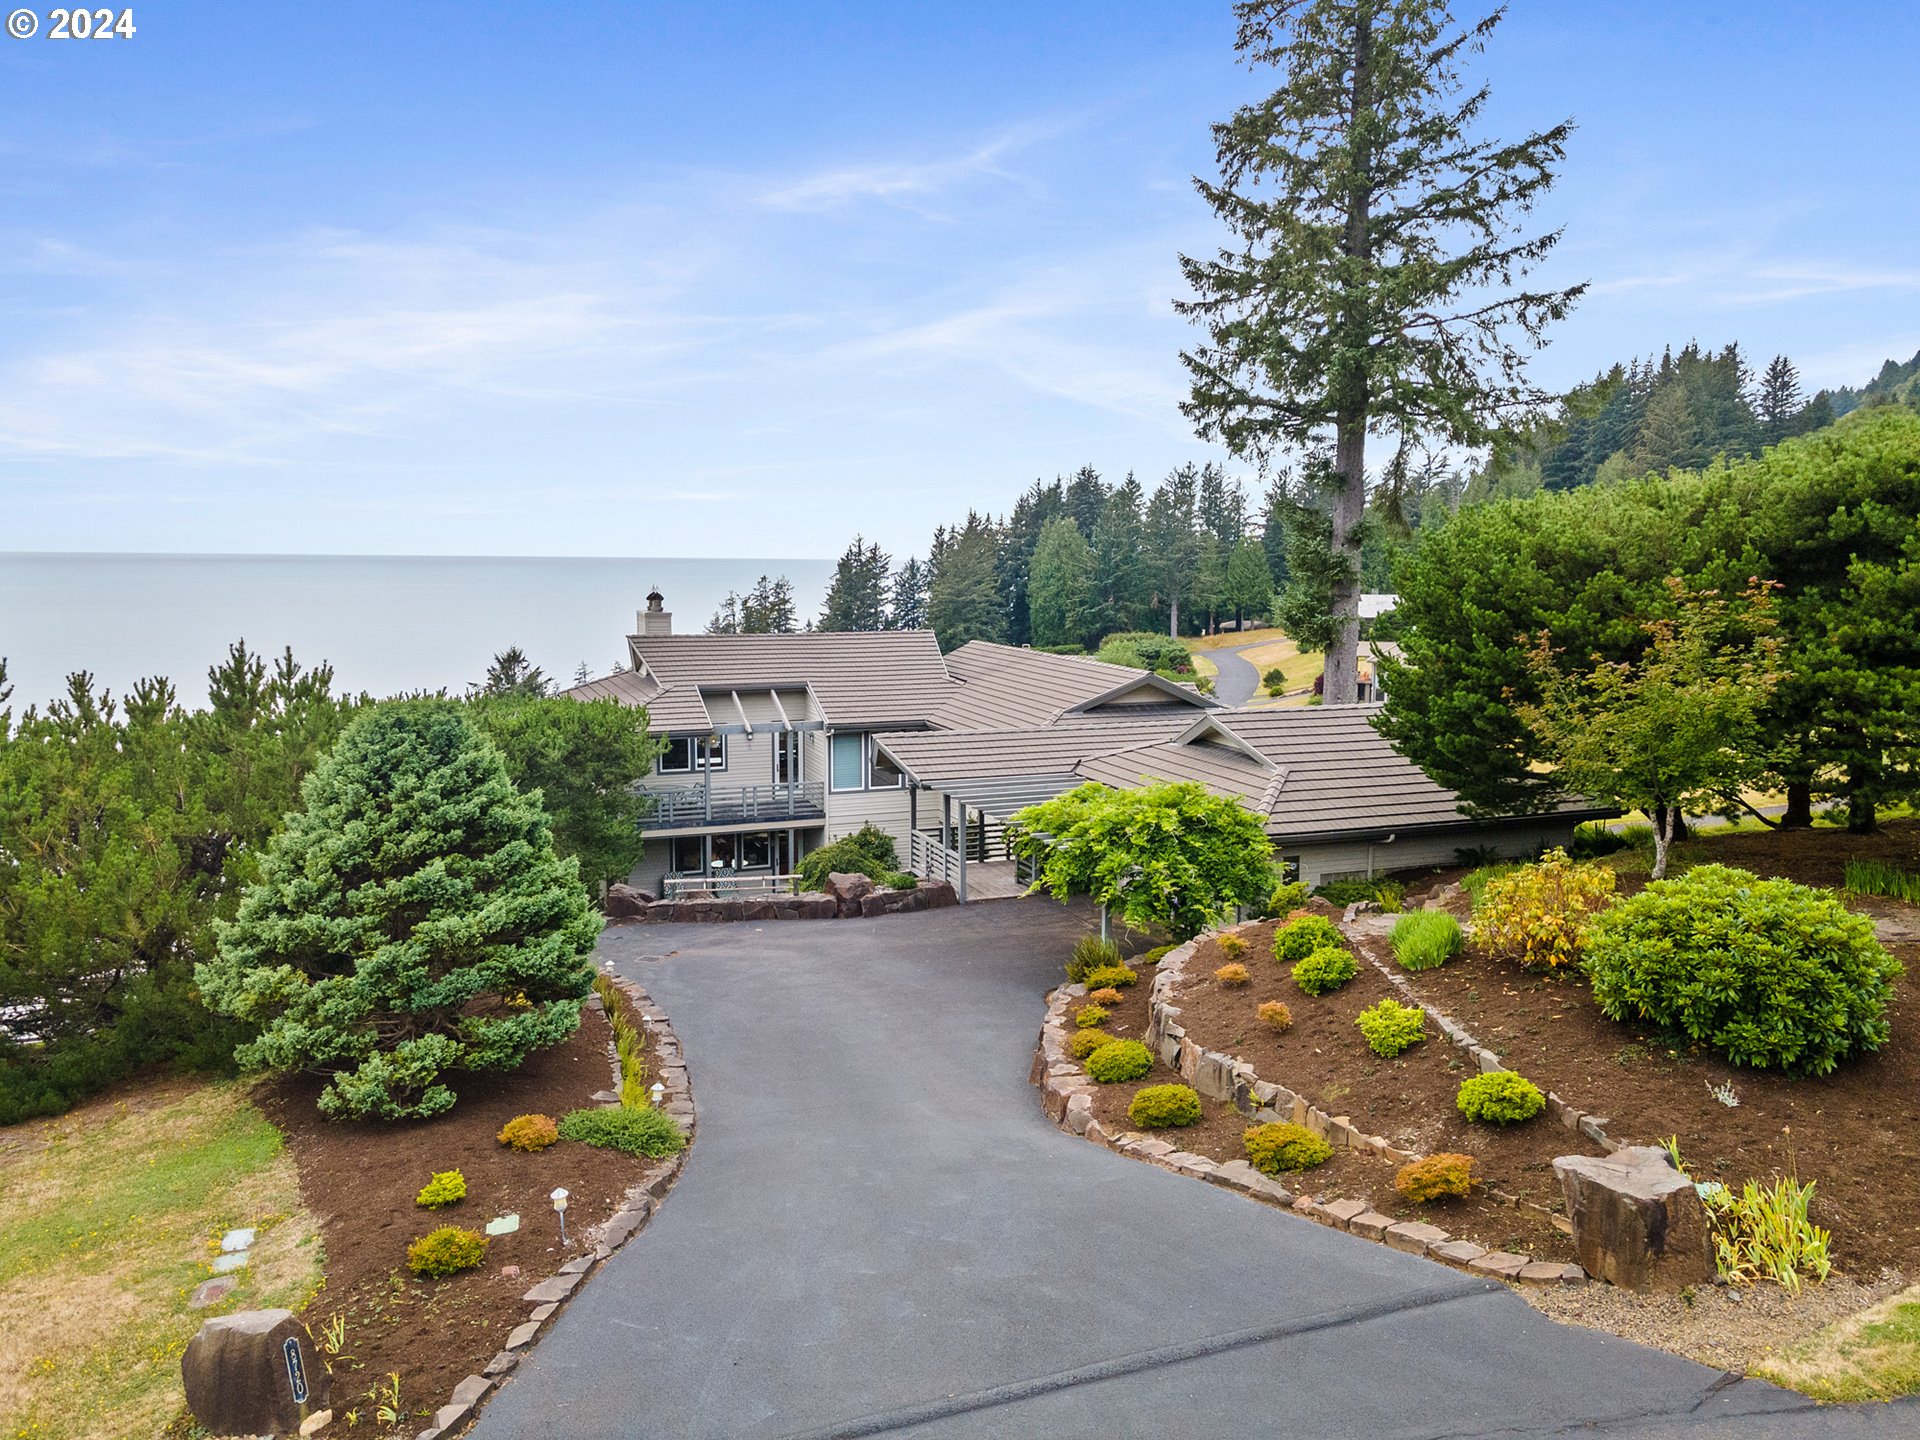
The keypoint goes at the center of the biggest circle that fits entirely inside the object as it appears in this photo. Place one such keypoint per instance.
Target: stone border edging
(1067, 1097)
(642, 1198)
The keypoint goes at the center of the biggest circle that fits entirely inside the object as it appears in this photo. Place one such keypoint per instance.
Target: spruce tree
(1780, 400)
(411, 922)
(963, 602)
(1249, 587)
(857, 594)
(1060, 591)
(907, 607)
(511, 673)
(1120, 583)
(1367, 286)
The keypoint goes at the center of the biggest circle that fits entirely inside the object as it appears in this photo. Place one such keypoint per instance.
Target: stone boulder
(936, 896)
(254, 1373)
(848, 890)
(623, 902)
(1637, 1221)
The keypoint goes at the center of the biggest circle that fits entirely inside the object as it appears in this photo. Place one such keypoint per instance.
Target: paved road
(878, 1233)
(1238, 681)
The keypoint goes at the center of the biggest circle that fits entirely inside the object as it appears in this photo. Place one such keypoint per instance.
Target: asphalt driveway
(878, 1233)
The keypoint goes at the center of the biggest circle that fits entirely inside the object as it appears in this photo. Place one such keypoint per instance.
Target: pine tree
(1061, 589)
(963, 602)
(1084, 498)
(1120, 583)
(411, 922)
(1349, 301)
(857, 595)
(1780, 400)
(511, 673)
(907, 609)
(1172, 542)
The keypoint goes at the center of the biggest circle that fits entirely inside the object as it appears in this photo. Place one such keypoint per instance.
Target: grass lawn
(1874, 1355)
(1228, 639)
(109, 1217)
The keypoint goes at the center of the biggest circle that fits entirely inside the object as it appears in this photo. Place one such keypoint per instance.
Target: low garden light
(559, 1198)
(657, 1091)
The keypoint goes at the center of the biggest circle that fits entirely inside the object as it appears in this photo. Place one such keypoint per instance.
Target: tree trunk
(1663, 817)
(1173, 614)
(1862, 812)
(1341, 671)
(1799, 811)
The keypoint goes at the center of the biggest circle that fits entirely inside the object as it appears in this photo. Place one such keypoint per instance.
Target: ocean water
(388, 623)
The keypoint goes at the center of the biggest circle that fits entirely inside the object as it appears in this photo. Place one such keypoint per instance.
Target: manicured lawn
(1874, 1355)
(1227, 639)
(109, 1217)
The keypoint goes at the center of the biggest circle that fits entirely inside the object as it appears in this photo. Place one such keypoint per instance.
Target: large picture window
(686, 754)
(857, 764)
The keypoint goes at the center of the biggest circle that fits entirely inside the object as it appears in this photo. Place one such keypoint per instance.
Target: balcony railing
(736, 804)
(726, 885)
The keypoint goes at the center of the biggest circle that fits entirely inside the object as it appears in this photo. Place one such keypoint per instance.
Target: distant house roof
(936, 756)
(1006, 687)
(858, 679)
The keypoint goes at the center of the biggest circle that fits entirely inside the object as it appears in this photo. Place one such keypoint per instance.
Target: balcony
(779, 802)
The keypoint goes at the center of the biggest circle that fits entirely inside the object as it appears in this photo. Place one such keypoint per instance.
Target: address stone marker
(254, 1373)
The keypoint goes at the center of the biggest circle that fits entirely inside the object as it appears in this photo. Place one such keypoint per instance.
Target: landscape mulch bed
(360, 1180)
(1323, 1057)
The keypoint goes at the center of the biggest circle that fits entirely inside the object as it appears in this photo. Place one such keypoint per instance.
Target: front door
(789, 757)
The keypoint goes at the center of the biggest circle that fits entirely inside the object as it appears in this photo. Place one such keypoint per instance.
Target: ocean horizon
(387, 623)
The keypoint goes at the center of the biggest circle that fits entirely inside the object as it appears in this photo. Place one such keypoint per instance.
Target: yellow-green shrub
(1157, 954)
(1088, 1016)
(1499, 1097)
(1303, 935)
(1391, 1027)
(1090, 952)
(1083, 1043)
(1158, 1107)
(1232, 946)
(1110, 977)
(1538, 914)
(1324, 971)
(1437, 1175)
(529, 1132)
(1119, 1060)
(1284, 1145)
(446, 1251)
(1232, 977)
(446, 1187)
(1276, 1014)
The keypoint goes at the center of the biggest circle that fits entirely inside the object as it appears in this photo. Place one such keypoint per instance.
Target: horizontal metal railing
(733, 804)
(727, 885)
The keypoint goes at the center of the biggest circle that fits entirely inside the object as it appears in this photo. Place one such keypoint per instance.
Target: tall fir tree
(512, 673)
(1017, 539)
(1249, 584)
(907, 604)
(963, 602)
(1173, 544)
(1120, 581)
(857, 594)
(1780, 401)
(1221, 506)
(1061, 589)
(1368, 285)
(1084, 498)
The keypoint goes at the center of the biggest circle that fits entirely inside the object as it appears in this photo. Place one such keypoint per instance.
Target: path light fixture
(646, 1025)
(657, 1091)
(560, 1208)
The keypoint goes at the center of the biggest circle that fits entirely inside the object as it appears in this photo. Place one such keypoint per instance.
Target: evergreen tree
(410, 923)
(1120, 582)
(1249, 584)
(1172, 543)
(726, 620)
(1084, 499)
(1372, 241)
(963, 602)
(511, 673)
(581, 674)
(907, 609)
(1061, 591)
(1221, 506)
(1780, 401)
(857, 594)
(1017, 539)
(1273, 527)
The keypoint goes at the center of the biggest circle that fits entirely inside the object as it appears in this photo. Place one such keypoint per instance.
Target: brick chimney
(653, 620)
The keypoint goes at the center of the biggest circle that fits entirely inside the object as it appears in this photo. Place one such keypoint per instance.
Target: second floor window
(687, 754)
(857, 764)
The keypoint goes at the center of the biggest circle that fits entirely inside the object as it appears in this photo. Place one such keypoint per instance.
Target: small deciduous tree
(1168, 855)
(1677, 727)
(411, 921)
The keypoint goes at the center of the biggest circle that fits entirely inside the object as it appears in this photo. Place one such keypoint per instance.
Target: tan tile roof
(1004, 686)
(944, 755)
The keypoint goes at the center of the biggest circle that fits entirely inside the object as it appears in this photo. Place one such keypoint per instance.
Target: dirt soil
(360, 1179)
(1409, 1100)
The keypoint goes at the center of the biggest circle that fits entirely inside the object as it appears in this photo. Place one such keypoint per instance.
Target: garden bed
(360, 1179)
(1324, 1059)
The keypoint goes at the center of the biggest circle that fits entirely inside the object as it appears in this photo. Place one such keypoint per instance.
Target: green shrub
(1499, 1097)
(1287, 897)
(1298, 939)
(1274, 681)
(1475, 882)
(1767, 1234)
(617, 1127)
(1769, 973)
(446, 1187)
(1594, 838)
(1233, 947)
(1110, 977)
(1324, 971)
(1146, 650)
(1159, 1107)
(1089, 1016)
(1435, 1176)
(868, 851)
(1538, 914)
(1387, 894)
(1276, 1014)
(1882, 877)
(1083, 1043)
(1157, 954)
(446, 1251)
(1284, 1145)
(1119, 1060)
(1426, 939)
(528, 1132)
(1090, 952)
(1232, 977)
(901, 880)
(1391, 1027)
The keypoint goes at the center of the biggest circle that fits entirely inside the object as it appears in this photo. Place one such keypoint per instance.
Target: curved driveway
(1238, 681)
(878, 1233)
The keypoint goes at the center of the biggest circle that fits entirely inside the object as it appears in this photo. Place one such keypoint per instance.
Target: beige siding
(848, 810)
(1519, 841)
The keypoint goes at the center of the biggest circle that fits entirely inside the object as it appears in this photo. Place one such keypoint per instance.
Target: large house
(778, 744)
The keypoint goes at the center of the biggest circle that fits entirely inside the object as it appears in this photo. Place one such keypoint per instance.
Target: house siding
(1518, 840)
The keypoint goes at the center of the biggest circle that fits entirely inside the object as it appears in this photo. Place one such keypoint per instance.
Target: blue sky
(717, 279)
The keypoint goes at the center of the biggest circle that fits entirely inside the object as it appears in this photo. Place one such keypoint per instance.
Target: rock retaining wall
(600, 1241)
(785, 907)
(1068, 1099)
